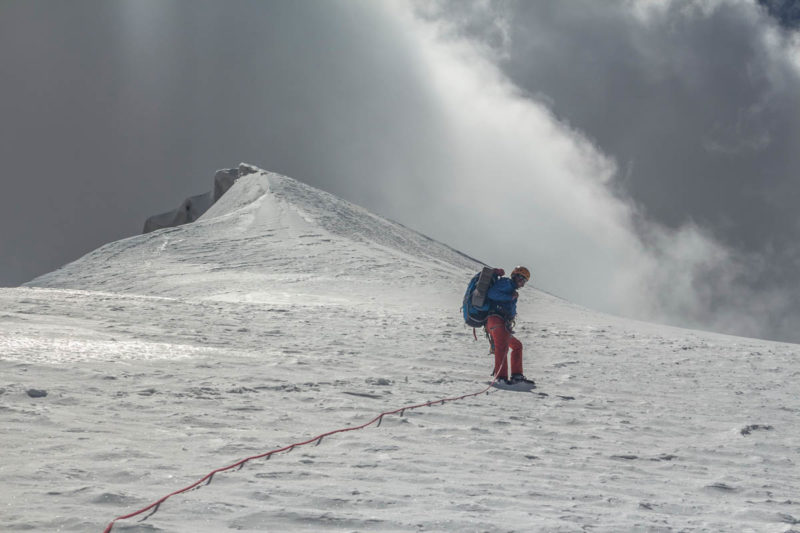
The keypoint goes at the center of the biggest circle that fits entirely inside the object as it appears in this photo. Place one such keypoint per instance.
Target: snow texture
(284, 312)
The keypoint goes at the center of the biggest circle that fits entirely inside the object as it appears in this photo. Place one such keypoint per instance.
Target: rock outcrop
(193, 207)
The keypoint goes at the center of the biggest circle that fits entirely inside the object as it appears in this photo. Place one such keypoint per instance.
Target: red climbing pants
(503, 339)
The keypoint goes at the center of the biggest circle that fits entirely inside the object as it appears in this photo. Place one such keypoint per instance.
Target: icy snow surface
(285, 312)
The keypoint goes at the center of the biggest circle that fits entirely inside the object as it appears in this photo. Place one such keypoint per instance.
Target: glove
(500, 272)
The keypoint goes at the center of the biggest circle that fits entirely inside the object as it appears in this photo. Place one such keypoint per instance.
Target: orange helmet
(522, 271)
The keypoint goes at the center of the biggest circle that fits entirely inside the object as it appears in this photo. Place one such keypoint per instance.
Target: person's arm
(502, 291)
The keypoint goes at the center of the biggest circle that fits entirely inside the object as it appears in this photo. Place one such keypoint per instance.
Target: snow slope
(285, 312)
(271, 238)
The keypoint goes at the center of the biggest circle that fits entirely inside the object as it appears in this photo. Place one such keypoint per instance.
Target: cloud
(531, 189)
(634, 153)
(786, 12)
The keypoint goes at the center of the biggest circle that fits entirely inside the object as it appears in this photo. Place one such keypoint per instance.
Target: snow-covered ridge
(285, 312)
(335, 215)
(266, 234)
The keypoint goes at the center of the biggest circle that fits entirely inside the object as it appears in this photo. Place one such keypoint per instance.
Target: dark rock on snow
(193, 207)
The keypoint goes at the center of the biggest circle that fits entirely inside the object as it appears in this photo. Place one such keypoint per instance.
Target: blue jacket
(501, 295)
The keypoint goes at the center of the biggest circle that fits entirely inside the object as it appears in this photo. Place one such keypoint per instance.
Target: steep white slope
(285, 312)
(272, 238)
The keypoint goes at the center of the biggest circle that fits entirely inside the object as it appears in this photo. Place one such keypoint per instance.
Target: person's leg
(516, 355)
(500, 337)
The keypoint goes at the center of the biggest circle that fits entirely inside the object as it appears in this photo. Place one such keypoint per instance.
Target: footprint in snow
(755, 427)
(383, 382)
(721, 487)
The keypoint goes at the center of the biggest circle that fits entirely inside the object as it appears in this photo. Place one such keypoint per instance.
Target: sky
(638, 155)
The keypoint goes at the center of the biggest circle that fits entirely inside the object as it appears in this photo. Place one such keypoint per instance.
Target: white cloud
(527, 188)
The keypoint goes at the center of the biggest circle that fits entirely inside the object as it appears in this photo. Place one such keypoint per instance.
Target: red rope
(153, 507)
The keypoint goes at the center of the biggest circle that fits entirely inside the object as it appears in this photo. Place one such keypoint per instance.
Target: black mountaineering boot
(520, 378)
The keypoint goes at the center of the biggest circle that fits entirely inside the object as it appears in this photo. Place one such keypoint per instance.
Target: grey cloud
(787, 12)
(701, 111)
(114, 111)
(694, 106)
(697, 103)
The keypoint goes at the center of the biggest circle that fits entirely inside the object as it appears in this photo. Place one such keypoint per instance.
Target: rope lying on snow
(153, 507)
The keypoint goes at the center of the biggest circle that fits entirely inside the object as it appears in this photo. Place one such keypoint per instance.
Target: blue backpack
(476, 305)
